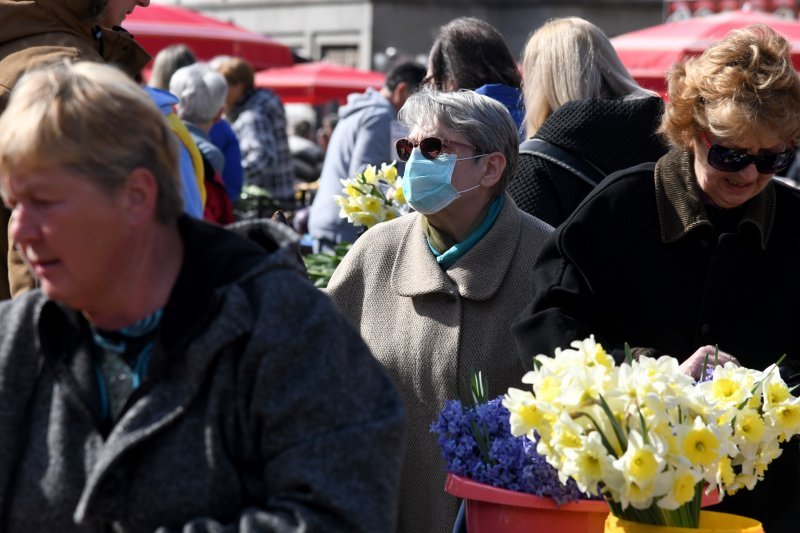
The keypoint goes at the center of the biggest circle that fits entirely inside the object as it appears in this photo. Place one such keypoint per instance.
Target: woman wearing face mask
(433, 293)
(699, 250)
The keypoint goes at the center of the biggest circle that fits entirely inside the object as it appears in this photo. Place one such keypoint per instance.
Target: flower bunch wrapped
(645, 435)
(373, 196)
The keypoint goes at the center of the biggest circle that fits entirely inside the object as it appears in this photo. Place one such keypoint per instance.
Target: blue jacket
(193, 205)
(224, 138)
(511, 97)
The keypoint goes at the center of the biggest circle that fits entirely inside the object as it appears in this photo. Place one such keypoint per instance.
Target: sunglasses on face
(431, 147)
(733, 160)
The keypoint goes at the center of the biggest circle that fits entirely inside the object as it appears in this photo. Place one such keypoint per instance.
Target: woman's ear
(141, 196)
(495, 165)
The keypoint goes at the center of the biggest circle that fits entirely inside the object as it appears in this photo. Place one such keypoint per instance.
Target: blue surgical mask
(427, 182)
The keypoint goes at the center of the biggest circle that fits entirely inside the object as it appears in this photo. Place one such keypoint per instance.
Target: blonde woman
(580, 98)
(168, 375)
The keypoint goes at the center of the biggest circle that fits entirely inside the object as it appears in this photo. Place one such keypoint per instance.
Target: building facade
(371, 34)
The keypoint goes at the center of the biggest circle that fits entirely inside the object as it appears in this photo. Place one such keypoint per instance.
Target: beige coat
(430, 328)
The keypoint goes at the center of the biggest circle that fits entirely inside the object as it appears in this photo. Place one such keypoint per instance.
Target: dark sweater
(611, 134)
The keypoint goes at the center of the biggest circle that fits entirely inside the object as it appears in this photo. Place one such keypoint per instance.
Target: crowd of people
(167, 367)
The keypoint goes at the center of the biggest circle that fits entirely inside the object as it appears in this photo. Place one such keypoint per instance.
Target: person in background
(163, 378)
(307, 156)
(202, 92)
(469, 53)
(580, 99)
(362, 137)
(41, 32)
(190, 160)
(698, 250)
(259, 120)
(165, 64)
(433, 292)
(325, 131)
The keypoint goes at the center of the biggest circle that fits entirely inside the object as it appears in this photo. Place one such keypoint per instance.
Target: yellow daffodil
(399, 195)
(641, 462)
(681, 489)
(749, 426)
(361, 218)
(525, 415)
(389, 172)
(725, 472)
(785, 417)
(645, 433)
(700, 444)
(370, 175)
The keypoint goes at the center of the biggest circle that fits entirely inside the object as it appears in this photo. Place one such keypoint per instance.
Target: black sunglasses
(733, 160)
(431, 147)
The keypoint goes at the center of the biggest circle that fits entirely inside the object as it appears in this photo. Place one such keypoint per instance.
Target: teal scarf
(448, 258)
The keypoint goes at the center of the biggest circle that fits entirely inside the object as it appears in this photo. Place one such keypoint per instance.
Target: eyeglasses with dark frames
(734, 160)
(431, 147)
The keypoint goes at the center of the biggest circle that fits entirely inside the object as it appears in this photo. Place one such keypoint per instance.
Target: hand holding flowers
(645, 435)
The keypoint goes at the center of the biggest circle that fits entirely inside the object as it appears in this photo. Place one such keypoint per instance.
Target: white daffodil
(525, 415)
(681, 490)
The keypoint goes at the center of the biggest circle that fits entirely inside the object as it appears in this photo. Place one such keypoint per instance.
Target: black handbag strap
(577, 165)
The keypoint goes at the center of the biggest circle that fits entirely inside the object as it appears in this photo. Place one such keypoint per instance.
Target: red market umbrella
(318, 82)
(648, 54)
(158, 26)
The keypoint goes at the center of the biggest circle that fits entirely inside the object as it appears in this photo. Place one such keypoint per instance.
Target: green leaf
(645, 439)
(628, 354)
(479, 386)
(618, 430)
(607, 443)
(320, 267)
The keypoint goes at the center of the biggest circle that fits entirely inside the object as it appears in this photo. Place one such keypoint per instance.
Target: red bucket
(493, 510)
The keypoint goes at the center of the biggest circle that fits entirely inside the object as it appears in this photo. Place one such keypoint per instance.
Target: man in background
(259, 120)
(362, 137)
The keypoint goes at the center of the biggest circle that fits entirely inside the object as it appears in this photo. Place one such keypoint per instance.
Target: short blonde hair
(94, 121)
(743, 85)
(569, 59)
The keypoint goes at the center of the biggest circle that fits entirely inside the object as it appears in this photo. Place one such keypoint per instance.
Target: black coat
(643, 260)
(610, 134)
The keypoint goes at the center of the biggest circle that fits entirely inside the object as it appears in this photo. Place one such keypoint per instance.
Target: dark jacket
(262, 410)
(643, 260)
(610, 134)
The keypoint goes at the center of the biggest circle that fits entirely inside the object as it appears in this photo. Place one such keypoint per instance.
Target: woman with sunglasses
(433, 293)
(699, 251)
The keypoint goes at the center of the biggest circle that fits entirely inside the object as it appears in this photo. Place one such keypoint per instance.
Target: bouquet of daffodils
(373, 196)
(645, 435)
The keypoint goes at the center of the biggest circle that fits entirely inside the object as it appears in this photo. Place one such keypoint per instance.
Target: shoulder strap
(579, 166)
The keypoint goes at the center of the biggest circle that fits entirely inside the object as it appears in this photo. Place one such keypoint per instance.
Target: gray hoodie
(362, 137)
